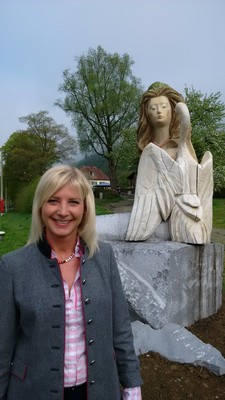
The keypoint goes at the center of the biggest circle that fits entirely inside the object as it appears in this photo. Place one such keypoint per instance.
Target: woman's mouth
(62, 222)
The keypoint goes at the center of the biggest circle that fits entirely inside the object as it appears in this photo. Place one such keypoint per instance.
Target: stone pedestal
(164, 281)
(170, 282)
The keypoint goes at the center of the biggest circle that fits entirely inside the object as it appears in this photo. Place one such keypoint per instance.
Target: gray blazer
(32, 324)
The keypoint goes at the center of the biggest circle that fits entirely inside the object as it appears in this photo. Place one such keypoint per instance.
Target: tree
(52, 140)
(96, 160)
(19, 162)
(208, 129)
(129, 157)
(102, 99)
(29, 153)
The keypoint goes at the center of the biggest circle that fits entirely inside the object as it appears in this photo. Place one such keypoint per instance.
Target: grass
(219, 213)
(17, 225)
(102, 206)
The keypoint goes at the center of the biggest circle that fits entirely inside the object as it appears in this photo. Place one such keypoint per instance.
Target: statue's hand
(184, 116)
(190, 205)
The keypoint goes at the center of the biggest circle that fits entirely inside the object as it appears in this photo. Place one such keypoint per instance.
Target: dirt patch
(122, 206)
(174, 381)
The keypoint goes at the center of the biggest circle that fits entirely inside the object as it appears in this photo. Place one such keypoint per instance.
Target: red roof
(94, 173)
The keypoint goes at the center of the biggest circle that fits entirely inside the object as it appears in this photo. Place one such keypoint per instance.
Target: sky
(179, 42)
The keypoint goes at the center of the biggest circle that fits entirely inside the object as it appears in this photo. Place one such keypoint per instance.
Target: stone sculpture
(171, 185)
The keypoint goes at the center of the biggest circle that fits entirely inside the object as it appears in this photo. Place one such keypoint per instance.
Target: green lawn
(219, 213)
(17, 225)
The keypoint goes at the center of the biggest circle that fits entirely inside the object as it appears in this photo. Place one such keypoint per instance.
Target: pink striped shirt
(75, 370)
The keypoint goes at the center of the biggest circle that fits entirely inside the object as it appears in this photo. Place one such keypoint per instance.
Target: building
(96, 177)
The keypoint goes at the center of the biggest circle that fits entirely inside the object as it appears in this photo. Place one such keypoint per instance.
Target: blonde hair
(53, 180)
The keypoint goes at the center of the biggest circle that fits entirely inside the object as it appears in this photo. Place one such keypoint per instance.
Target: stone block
(170, 282)
(164, 281)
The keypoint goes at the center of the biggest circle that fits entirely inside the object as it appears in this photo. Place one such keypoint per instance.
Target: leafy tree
(24, 199)
(28, 153)
(53, 140)
(208, 129)
(102, 98)
(20, 157)
(129, 157)
(128, 160)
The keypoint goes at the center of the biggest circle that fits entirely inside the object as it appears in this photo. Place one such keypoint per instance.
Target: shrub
(24, 198)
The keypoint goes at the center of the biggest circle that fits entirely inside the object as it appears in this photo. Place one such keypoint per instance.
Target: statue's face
(159, 111)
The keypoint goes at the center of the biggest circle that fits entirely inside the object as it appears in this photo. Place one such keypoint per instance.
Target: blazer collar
(44, 247)
(46, 250)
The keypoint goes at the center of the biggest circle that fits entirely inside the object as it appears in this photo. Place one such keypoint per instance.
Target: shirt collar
(78, 250)
(45, 248)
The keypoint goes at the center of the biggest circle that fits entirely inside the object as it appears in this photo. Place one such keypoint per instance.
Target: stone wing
(159, 179)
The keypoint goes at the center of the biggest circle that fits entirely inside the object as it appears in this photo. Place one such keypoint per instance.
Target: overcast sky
(179, 42)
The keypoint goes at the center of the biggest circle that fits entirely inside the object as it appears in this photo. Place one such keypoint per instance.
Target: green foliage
(207, 111)
(208, 130)
(108, 194)
(128, 156)
(102, 99)
(52, 140)
(28, 154)
(25, 197)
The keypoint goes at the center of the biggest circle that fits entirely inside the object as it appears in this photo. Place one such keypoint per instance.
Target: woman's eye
(51, 201)
(56, 201)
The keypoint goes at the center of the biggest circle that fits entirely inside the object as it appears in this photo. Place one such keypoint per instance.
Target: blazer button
(92, 382)
(84, 281)
(87, 301)
(83, 261)
(90, 321)
(92, 362)
(91, 342)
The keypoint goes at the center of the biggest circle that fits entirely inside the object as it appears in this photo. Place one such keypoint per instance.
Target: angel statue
(171, 185)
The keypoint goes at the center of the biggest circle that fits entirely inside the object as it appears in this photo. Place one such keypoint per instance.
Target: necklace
(67, 259)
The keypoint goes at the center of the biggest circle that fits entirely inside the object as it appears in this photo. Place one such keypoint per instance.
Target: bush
(108, 194)
(25, 197)
(220, 194)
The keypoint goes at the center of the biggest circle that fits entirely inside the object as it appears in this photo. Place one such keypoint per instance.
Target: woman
(64, 326)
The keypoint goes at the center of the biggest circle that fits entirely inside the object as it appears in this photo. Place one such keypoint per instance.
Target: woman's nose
(63, 209)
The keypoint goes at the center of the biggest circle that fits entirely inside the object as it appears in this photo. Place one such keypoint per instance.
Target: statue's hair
(53, 180)
(145, 132)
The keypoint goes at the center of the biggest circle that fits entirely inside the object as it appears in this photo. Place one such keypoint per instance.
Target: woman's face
(63, 213)
(159, 111)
